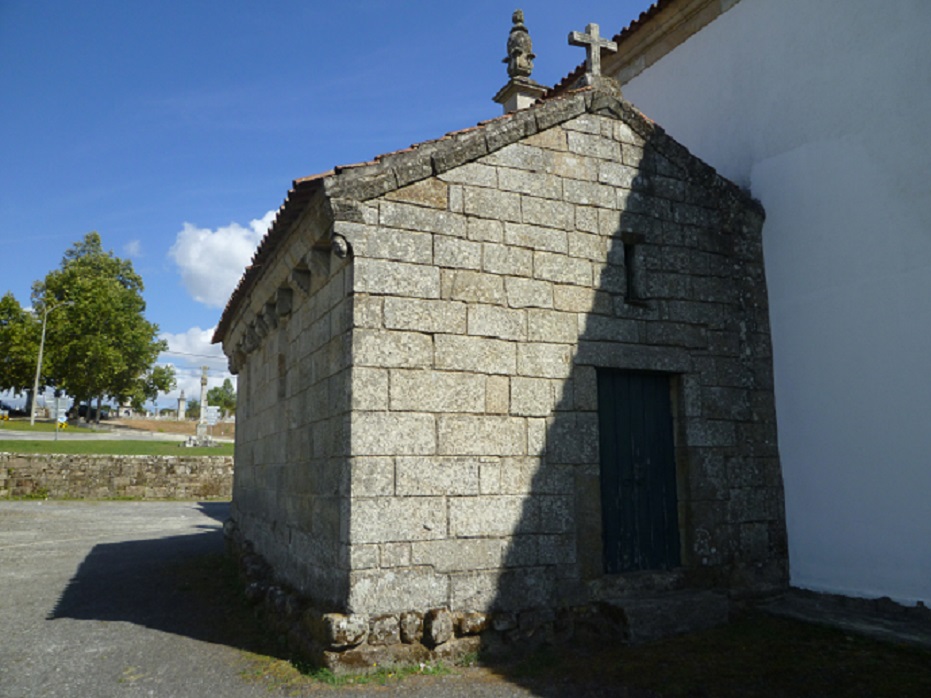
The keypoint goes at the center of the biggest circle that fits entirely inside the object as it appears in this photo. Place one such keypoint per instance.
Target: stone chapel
(510, 385)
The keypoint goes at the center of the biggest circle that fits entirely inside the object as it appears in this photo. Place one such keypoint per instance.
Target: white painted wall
(823, 109)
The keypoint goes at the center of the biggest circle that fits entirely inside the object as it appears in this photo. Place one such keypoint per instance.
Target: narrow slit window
(633, 274)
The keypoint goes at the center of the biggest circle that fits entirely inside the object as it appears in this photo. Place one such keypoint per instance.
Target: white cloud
(212, 261)
(188, 380)
(193, 346)
(188, 352)
(133, 249)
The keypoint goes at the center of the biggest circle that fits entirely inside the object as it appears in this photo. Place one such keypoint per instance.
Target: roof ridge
(347, 185)
(399, 168)
(390, 171)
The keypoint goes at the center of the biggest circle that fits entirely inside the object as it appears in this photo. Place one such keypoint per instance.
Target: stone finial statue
(521, 91)
(520, 48)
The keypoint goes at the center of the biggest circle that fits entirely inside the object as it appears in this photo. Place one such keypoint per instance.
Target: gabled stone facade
(419, 344)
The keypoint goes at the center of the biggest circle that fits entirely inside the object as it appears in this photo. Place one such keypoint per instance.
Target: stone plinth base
(200, 442)
(355, 642)
(655, 617)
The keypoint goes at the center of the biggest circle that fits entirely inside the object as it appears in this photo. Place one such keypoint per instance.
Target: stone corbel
(270, 314)
(261, 326)
(284, 301)
(318, 261)
(252, 336)
(251, 339)
(300, 275)
(340, 246)
(237, 360)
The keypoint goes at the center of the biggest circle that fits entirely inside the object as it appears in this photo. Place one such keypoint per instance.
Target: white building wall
(823, 109)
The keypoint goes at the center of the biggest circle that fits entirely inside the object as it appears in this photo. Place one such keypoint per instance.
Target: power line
(199, 356)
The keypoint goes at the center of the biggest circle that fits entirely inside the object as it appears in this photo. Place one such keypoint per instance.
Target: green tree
(101, 344)
(158, 379)
(193, 410)
(19, 346)
(223, 397)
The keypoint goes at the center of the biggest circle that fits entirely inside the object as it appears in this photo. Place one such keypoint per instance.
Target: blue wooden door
(640, 524)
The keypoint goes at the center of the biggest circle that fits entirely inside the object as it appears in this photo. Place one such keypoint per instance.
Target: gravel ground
(91, 605)
(84, 609)
(107, 432)
(102, 435)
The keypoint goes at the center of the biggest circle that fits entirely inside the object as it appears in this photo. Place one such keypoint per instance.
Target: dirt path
(172, 426)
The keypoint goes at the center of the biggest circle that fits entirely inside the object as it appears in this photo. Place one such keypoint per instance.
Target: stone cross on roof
(593, 44)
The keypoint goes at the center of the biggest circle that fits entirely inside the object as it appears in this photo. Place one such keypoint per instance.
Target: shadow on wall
(659, 471)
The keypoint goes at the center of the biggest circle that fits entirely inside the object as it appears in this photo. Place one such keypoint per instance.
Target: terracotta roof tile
(312, 178)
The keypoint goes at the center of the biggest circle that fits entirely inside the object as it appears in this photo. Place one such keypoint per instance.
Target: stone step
(662, 615)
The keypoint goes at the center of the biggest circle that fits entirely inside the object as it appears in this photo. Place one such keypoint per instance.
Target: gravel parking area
(86, 608)
(92, 604)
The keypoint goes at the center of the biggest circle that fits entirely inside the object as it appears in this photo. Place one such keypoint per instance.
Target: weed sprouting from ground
(468, 659)
(37, 493)
(379, 675)
(294, 675)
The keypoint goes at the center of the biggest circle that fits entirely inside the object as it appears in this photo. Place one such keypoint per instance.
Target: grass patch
(294, 676)
(48, 427)
(113, 448)
(38, 493)
(379, 675)
(756, 656)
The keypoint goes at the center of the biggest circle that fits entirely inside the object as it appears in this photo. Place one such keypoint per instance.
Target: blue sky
(174, 129)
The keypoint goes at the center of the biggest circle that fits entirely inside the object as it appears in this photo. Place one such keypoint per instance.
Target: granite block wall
(419, 342)
(485, 300)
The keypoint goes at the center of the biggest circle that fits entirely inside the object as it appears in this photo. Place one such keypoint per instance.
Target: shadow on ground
(182, 584)
(185, 585)
(218, 511)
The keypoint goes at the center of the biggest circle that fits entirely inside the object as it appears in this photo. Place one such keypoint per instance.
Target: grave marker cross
(593, 44)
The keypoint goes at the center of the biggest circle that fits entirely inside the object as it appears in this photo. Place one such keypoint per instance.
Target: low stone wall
(60, 476)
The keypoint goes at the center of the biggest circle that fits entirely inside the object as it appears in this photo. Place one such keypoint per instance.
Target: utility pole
(202, 421)
(203, 396)
(35, 385)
